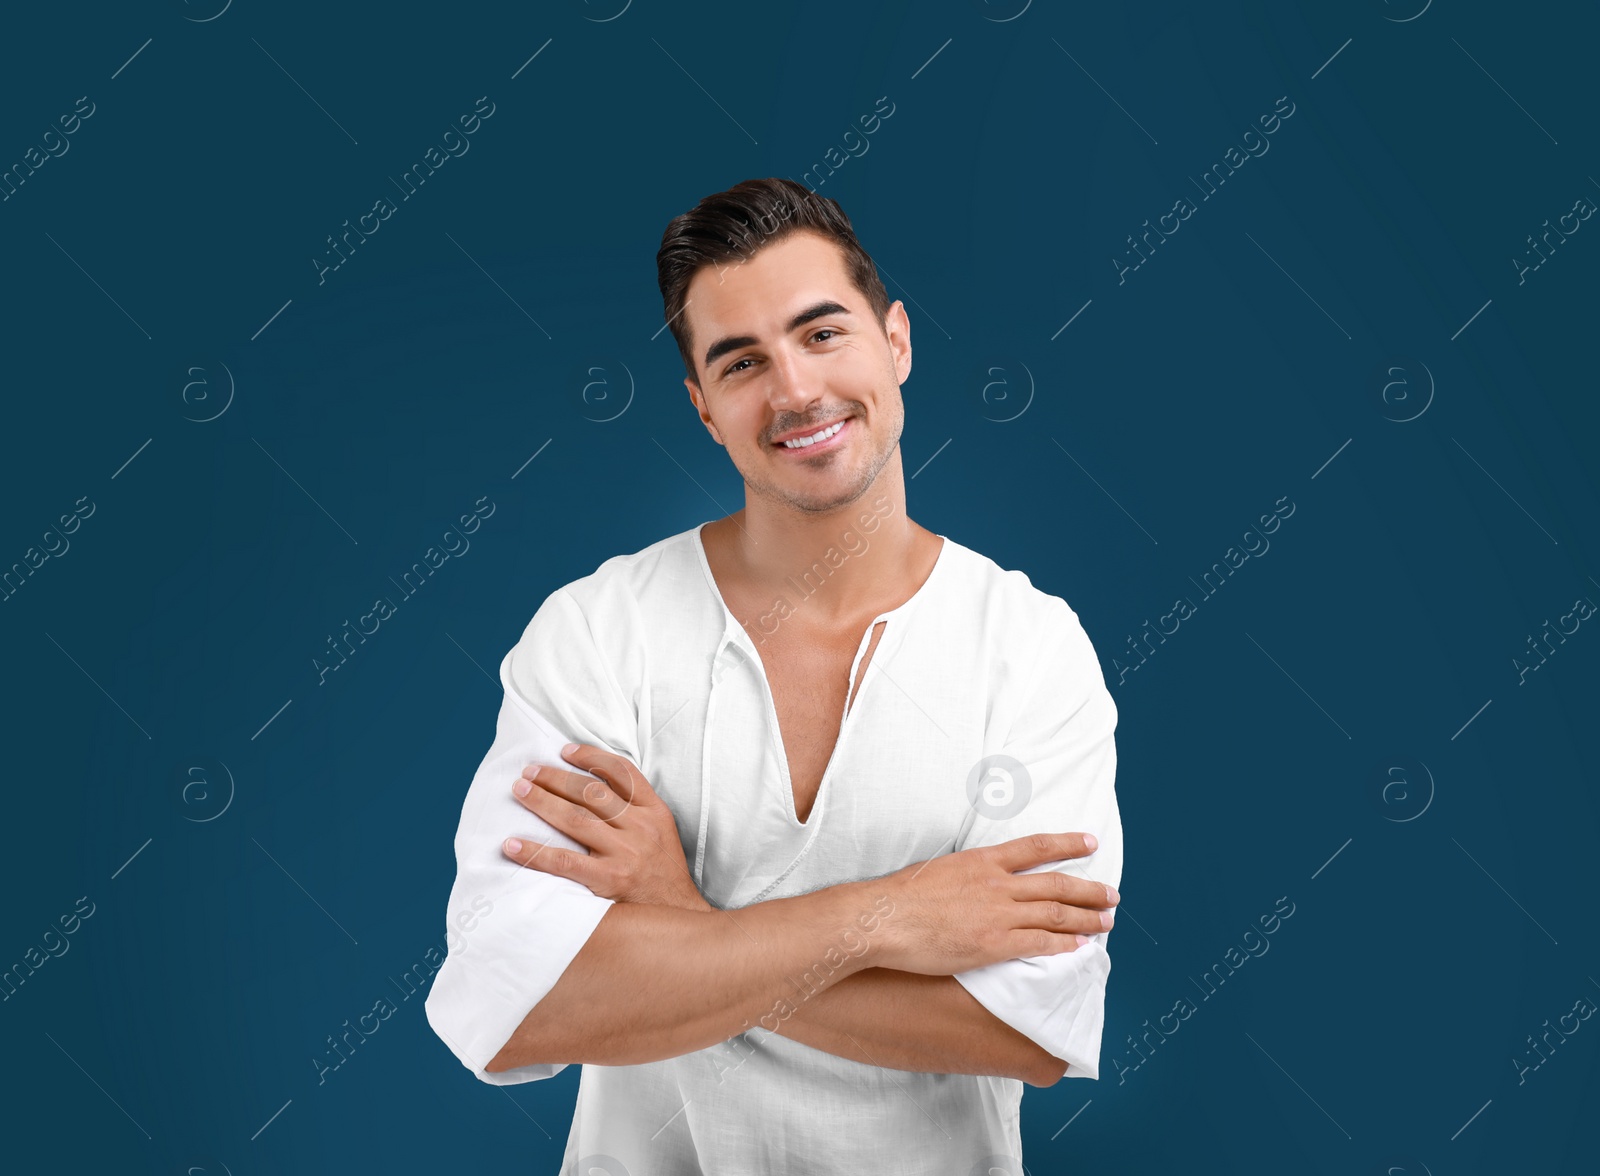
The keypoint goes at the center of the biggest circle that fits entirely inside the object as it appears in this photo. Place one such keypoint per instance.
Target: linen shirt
(983, 716)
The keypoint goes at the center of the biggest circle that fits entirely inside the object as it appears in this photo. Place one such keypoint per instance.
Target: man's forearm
(656, 982)
(908, 1021)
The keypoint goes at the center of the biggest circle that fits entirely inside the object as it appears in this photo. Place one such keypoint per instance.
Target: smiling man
(828, 873)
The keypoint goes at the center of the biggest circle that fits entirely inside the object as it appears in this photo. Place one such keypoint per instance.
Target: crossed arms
(712, 974)
(970, 962)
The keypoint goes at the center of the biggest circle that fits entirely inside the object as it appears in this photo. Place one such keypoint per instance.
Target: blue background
(264, 853)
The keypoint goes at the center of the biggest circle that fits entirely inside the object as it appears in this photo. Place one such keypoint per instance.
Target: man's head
(785, 328)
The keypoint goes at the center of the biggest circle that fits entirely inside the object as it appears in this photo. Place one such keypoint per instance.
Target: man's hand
(970, 908)
(634, 851)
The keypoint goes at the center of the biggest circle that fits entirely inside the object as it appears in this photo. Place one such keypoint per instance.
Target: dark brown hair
(730, 227)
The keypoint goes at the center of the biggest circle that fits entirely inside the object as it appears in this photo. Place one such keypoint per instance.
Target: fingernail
(1112, 895)
(522, 787)
(568, 748)
(1083, 940)
(513, 845)
(1091, 841)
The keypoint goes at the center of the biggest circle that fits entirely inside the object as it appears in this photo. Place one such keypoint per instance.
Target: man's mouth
(823, 437)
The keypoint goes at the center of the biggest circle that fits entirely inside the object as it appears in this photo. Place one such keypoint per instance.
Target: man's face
(794, 349)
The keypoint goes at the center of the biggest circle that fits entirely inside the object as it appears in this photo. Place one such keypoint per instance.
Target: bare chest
(810, 680)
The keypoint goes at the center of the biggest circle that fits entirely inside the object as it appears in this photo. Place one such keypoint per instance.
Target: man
(834, 875)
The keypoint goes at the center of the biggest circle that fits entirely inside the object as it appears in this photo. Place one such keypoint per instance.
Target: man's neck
(832, 567)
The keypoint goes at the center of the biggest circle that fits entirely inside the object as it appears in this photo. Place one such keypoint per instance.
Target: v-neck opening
(853, 690)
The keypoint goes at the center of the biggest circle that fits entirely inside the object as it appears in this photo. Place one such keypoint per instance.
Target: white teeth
(802, 442)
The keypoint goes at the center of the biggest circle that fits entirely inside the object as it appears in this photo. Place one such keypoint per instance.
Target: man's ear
(898, 328)
(699, 399)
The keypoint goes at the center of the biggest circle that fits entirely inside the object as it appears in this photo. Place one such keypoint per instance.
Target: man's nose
(790, 385)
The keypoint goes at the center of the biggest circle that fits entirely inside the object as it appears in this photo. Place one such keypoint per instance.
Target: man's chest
(777, 789)
(810, 679)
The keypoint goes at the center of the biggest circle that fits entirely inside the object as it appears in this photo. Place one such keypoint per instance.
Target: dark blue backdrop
(1378, 310)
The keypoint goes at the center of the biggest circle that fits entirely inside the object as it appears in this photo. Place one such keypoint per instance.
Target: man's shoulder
(1009, 595)
(635, 593)
(613, 612)
(1035, 638)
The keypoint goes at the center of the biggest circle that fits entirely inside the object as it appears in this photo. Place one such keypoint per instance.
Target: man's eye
(738, 365)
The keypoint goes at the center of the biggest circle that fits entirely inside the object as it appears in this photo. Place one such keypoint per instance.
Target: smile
(824, 438)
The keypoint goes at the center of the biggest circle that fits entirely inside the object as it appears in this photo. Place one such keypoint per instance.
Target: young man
(834, 876)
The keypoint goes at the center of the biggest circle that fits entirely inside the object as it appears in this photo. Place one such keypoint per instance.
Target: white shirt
(643, 658)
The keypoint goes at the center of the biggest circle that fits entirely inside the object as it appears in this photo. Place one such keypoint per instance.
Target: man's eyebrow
(733, 342)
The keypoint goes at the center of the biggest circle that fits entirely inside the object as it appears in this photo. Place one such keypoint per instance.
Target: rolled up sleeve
(1063, 738)
(512, 931)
